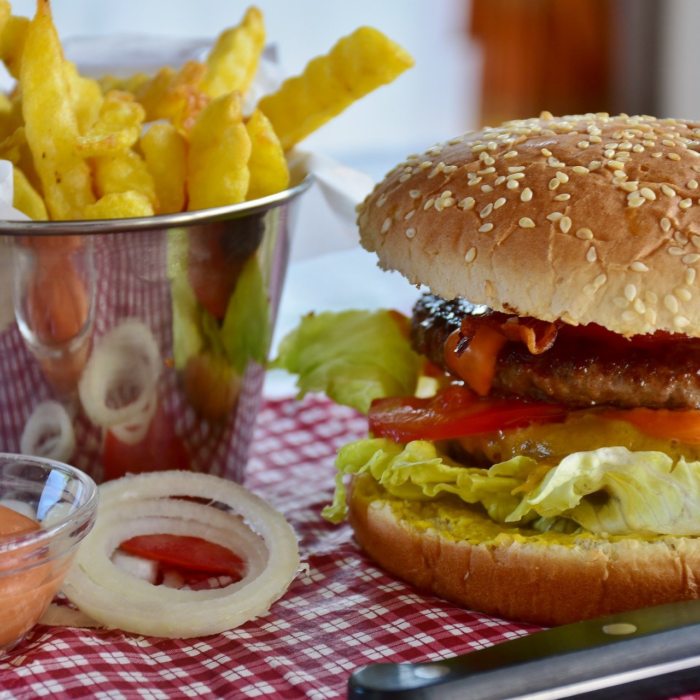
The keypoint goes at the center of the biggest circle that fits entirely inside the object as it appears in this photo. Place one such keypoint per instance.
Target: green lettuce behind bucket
(353, 357)
(641, 493)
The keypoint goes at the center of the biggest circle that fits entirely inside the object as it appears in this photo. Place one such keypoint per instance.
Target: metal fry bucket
(150, 333)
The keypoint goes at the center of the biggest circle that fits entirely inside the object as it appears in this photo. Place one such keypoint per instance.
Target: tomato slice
(191, 553)
(661, 423)
(455, 412)
(161, 449)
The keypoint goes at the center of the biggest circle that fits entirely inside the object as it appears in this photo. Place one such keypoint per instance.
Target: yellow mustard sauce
(455, 520)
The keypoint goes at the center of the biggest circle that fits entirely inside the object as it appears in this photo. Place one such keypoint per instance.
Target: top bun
(587, 219)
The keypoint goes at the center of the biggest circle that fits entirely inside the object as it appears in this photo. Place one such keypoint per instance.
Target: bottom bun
(450, 550)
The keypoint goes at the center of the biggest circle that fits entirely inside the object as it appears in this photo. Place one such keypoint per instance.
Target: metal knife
(648, 654)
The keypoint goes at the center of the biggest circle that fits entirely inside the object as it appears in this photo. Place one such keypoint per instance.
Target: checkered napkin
(344, 614)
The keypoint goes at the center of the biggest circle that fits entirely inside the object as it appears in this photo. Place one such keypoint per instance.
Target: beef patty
(575, 371)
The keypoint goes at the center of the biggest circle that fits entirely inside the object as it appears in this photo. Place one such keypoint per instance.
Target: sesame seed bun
(587, 219)
(522, 578)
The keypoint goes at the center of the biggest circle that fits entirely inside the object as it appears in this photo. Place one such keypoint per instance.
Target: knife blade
(647, 654)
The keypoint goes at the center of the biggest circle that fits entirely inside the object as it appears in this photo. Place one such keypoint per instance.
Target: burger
(534, 428)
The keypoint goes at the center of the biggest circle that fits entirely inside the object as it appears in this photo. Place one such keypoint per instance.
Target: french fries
(50, 121)
(268, 166)
(73, 139)
(217, 166)
(233, 61)
(355, 66)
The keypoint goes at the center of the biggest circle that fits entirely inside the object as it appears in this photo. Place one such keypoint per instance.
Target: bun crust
(588, 219)
(541, 584)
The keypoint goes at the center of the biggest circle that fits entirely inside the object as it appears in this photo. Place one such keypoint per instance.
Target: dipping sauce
(25, 589)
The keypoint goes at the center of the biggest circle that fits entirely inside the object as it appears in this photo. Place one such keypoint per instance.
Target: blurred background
(477, 62)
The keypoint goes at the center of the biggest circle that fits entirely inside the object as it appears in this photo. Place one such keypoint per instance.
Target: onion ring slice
(127, 357)
(141, 505)
(48, 433)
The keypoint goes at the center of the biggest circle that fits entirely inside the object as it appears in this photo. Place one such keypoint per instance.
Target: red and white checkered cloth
(344, 614)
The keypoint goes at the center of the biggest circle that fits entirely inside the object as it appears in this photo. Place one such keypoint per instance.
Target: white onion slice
(140, 505)
(63, 616)
(145, 569)
(49, 433)
(126, 360)
(133, 431)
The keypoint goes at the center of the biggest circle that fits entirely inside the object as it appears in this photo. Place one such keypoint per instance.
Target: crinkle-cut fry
(12, 38)
(268, 166)
(26, 198)
(217, 164)
(356, 65)
(86, 96)
(165, 152)
(120, 205)
(161, 96)
(117, 128)
(10, 114)
(50, 122)
(232, 63)
(11, 147)
(123, 172)
(151, 92)
(5, 13)
(132, 83)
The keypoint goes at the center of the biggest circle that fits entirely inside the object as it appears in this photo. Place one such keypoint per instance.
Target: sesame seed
(630, 292)
(685, 203)
(665, 225)
(628, 316)
(474, 181)
(696, 168)
(425, 164)
(639, 306)
(511, 154)
(681, 322)
(565, 224)
(486, 171)
(585, 234)
(609, 153)
(382, 200)
(467, 203)
(488, 160)
(449, 201)
(386, 225)
(513, 184)
(439, 206)
(526, 195)
(486, 188)
(656, 155)
(414, 194)
(668, 142)
(437, 169)
(639, 267)
(583, 144)
(668, 191)
(592, 255)
(629, 186)
(595, 139)
(409, 215)
(651, 297)
(450, 168)
(648, 193)
(486, 228)
(680, 238)
(690, 275)
(486, 211)
(546, 152)
(594, 165)
(690, 258)
(580, 169)
(683, 294)
(410, 232)
(562, 197)
(555, 216)
(621, 302)
(673, 156)
(615, 165)
(456, 140)
(562, 177)
(692, 184)
(638, 148)
(554, 183)
(471, 255)
(500, 180)
(516, 176)
(499, 202)
(696, 241)
(428, 204)
(635, 202)
(651, 316)
(404, 177)
(526, 222)
(516, 168)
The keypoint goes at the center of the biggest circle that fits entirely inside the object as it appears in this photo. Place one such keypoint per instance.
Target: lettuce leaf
(642, 493)
(606, 491)
(417, 472)
(352, 356)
